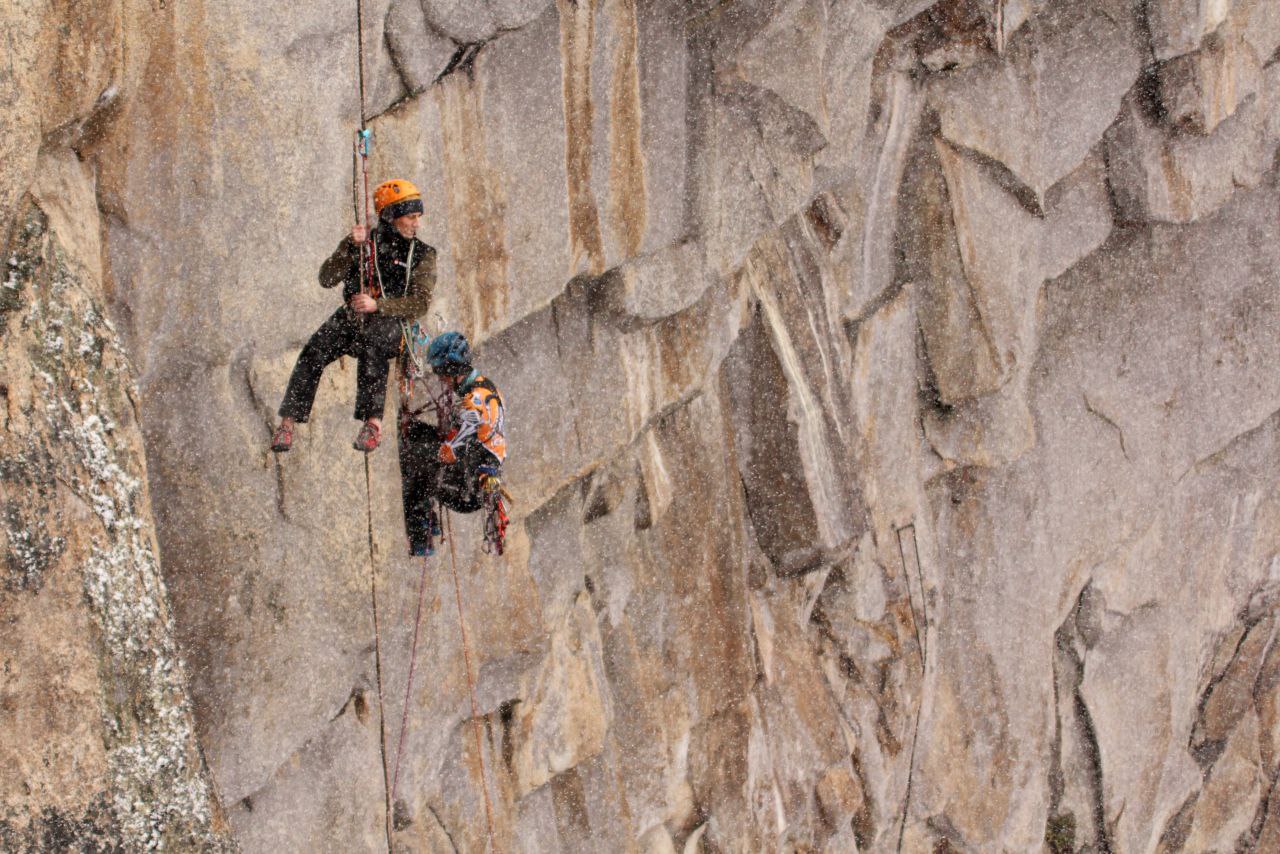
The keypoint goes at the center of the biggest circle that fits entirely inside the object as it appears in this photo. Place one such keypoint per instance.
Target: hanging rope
(369, 249)
(471, 685)
(408, 688)
(377, 649)
(360, 55)
(367, 263)
(368, 285)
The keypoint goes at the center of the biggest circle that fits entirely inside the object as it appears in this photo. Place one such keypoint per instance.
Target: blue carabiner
(364, 140)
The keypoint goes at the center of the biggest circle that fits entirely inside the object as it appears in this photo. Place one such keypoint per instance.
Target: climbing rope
(408, 688)
(377, 646)
(441, 403)
(364, 139)
(370, 283)
(368, 262)
(471, 685)
(368, 249)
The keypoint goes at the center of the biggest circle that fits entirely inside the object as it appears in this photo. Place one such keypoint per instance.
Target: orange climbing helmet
(396, 198)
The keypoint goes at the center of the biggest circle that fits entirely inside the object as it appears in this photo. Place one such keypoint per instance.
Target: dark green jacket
(406, 293)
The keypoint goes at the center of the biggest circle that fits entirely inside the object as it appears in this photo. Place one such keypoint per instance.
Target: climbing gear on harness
(495, 511)
(495, 522)
(449, 354)
(415, 344)
(369, 436)
(282, 439)
(396, 198)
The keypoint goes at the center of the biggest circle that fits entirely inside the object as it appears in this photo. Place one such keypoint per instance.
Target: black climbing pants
(423, 477)
(372, 341)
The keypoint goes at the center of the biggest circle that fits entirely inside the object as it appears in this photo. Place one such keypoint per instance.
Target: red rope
(408, 688)
(471, 685)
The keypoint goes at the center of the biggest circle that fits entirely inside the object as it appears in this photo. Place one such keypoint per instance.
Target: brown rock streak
(477, 204)
(577, 44)
(627, 193)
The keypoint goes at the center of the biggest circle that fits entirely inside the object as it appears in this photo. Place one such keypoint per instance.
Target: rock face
(96, 728)
(891, 394)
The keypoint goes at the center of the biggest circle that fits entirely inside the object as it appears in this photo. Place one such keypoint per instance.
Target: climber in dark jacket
(367, 326)
(459, 461)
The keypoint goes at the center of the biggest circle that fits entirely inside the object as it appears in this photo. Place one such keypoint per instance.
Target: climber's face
(407, 225)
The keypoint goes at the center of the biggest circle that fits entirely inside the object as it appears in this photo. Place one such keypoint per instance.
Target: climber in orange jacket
(368, 325)
(458, 463)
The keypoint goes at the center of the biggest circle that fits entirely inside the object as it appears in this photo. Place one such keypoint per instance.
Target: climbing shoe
(369, 436)
(282, 439)
(423, 541)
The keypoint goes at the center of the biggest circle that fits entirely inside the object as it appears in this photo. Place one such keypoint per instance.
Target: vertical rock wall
(97, 735)
(891, 393)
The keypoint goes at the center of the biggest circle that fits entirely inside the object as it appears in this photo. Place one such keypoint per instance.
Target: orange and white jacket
(479, 417)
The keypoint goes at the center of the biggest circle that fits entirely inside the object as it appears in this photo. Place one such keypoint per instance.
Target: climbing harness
(413, 343)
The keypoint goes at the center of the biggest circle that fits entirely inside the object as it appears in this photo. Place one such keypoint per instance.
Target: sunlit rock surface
(891, 388)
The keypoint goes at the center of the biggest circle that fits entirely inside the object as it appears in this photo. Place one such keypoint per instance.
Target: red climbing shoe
(368, 437)
(282, 439)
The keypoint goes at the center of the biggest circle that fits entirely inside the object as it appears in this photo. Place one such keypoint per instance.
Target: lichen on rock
(76, 505)
(890, 387)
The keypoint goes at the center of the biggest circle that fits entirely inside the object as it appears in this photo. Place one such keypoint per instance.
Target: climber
(459, 463)
(368, 325)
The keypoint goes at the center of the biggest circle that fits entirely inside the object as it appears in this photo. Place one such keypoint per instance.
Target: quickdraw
(495, 522)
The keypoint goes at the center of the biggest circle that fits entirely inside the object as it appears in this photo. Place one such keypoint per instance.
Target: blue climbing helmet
(450, 354)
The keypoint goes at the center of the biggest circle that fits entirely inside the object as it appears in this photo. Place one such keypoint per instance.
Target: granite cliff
(891, 388)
